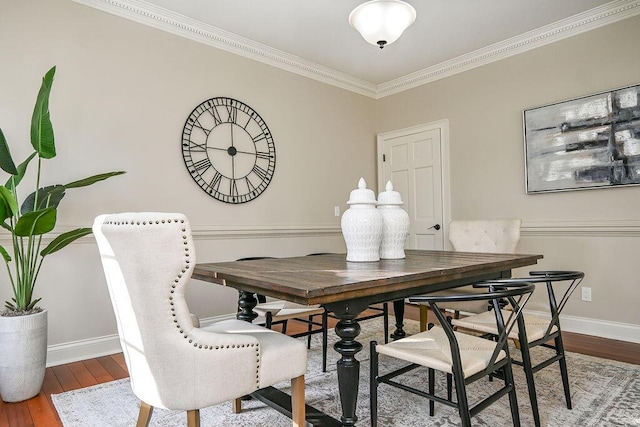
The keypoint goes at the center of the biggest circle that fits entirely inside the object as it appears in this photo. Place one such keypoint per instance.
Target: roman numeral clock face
(228, 150)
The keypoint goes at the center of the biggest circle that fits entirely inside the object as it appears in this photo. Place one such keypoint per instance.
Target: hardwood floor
(40, 411)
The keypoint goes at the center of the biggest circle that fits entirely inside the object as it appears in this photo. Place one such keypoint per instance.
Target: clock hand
(245, 152)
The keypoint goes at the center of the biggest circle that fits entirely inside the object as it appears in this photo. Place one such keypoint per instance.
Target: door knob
(437, 227)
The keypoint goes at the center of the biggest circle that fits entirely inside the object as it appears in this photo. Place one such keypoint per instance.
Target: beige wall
(122, 94)
(596, 230)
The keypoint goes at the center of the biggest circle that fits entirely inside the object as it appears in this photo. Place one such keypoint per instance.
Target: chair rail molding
(582, 228)
(586, 228)
(217, 232)
(160, 18)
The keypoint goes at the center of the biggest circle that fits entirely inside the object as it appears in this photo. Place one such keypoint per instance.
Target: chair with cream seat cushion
(466, 357)
(281, 312)
(148, 260)
(532, 331)
(488, 236)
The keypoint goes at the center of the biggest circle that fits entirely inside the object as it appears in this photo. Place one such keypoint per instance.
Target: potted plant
(23, 325)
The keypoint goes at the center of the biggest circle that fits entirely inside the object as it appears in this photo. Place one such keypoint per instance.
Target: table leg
(398, 311)
(246, 303)
(348, 366)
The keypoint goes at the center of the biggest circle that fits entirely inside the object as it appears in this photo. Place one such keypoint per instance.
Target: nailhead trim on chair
(173, 286)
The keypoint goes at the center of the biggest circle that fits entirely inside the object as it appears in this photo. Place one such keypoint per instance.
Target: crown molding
(160, 18)
(148, 14)
(565, 28)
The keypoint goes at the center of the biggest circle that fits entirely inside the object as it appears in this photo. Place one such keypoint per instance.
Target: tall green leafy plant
(38, 213)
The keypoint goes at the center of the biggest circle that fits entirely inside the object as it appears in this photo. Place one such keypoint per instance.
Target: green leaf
(36, 223)
(22, 169)
(48, 197)
(92, 179)
(33, 304)
(41, 127)
(5, 254)
(64, 239)
(6, 162)
(8, 203)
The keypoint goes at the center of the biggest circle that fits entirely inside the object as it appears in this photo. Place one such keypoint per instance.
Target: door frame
(443, 126)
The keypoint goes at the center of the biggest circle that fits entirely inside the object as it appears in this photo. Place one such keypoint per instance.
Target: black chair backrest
(551, 278)
(517, 293)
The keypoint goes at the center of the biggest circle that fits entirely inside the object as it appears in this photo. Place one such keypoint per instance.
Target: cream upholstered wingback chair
(148, 259)
(489, 236)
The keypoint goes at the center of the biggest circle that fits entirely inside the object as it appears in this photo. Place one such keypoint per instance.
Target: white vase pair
(372, 233)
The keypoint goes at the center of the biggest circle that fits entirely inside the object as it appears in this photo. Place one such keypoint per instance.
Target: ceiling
(316, 35)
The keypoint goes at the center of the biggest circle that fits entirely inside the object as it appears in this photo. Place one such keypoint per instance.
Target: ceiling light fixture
(381, 22)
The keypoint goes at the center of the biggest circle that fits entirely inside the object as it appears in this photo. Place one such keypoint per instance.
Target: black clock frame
(223, 182)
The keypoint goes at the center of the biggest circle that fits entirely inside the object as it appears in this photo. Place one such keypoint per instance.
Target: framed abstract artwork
(584, 143)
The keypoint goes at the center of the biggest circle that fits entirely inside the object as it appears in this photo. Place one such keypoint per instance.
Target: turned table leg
(246, 303)
(348, 367)
(398, 312)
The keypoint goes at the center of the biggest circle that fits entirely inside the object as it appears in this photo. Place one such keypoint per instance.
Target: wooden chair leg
(237, 405)
(193, 418)
(423, 318)
(297, 402)
(144, 416)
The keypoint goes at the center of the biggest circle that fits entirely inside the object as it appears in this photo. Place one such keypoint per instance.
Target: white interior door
(415, 160)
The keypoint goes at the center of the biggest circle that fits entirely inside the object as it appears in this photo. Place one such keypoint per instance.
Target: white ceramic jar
(362, 225)
(395, 224)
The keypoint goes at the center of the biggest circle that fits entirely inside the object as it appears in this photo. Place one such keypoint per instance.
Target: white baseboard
(59, 354)
(599, 328)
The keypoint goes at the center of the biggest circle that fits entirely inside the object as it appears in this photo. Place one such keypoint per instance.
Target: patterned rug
(604, 393)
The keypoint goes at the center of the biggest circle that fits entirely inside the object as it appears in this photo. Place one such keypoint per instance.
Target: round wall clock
(228, 150)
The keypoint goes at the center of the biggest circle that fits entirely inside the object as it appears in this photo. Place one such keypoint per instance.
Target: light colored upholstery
(432, 349)
(148, 260)
(535, 326)
(280, 312)
(488, 236)
(284, 310)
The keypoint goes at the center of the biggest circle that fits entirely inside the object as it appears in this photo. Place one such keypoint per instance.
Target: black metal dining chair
(467, 357)
(532, 331)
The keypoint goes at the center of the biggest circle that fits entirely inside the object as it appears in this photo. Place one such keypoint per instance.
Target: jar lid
(362, 195)
(389, 197)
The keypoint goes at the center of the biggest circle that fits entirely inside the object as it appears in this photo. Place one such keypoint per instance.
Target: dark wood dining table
(346, 289)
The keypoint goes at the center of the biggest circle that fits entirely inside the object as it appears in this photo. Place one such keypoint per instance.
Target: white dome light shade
(381, 22)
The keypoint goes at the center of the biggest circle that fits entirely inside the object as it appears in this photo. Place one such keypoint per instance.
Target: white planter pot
(23, 359)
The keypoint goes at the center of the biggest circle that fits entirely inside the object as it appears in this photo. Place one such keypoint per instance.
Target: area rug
(604, 393)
